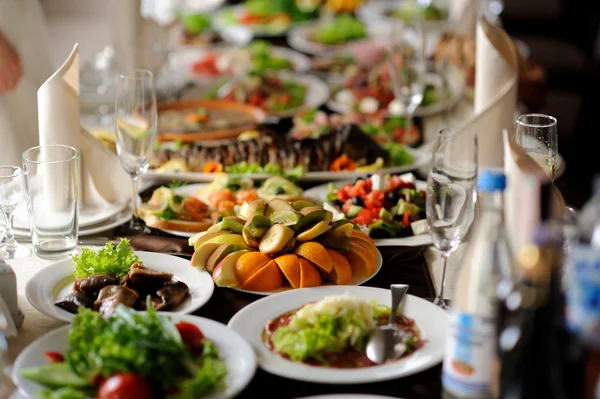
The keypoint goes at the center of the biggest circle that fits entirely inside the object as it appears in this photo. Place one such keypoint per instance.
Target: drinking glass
(538, 135)
(408, 66)
(11, 195)
(451, 194)
(52, 186)
(135, 125)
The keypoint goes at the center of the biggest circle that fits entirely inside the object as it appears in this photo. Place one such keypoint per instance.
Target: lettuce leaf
(110, 260)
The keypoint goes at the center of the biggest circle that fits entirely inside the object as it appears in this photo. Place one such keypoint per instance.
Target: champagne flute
(538, 135)
(11, 195)
(408, 66)
(451, 194)
(135, 125)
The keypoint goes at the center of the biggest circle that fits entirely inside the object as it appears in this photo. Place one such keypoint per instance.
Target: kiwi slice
(313, 232)
(298, 205)
(277, 204)
(286, 218)
(232, 225)
(249, 209)
(312, 216)
(256, 227)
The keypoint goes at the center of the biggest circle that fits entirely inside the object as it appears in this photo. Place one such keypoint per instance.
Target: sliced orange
(362, 236)
(370, 250)
(268, 278)
(309, 275)
(248, 264)
(316, 253)
(341, 274)
(290, 266)
(360, 261)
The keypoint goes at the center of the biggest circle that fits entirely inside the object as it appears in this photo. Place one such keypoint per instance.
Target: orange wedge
(370, 250)
(341, 274)
(309, 275)
(361, 261)
(317, 254)
(248, 264)
(357, 234)
(290, 266)
(268, 278)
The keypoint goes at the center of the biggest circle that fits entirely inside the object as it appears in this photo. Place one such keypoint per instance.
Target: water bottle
(589, 217)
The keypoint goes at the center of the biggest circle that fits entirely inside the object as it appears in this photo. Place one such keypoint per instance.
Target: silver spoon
(387, 341)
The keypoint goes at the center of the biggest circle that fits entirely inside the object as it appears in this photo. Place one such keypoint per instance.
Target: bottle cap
(491, 180)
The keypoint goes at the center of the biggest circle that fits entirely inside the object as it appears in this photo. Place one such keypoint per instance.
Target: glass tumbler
(52, 188)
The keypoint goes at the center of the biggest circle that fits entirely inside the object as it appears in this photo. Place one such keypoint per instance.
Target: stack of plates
(91, 220)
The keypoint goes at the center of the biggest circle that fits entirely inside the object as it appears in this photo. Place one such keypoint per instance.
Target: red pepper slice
(406, 219)
(55, 357)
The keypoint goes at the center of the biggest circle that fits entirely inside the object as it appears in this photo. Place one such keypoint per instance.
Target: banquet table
(417, 266)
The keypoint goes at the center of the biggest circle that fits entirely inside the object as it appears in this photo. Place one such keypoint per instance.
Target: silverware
(99, 241)
(387, 342)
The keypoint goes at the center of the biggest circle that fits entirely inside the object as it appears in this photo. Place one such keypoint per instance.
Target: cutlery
(387, 342)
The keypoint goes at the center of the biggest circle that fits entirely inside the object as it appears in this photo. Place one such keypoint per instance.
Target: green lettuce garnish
(110, 260)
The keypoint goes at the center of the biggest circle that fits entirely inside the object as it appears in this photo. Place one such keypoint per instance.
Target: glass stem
(10, 243)
(408, 124)
(134, 196)
(440, 297)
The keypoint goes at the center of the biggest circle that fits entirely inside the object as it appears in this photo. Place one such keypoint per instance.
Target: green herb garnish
(110, 260)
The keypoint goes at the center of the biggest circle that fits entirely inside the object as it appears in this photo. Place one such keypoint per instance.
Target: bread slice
(178, 225)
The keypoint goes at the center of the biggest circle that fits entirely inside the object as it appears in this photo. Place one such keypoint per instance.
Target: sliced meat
(73, 301)
(90, 286)
(111, 296)
(171, 295)
(145, 281)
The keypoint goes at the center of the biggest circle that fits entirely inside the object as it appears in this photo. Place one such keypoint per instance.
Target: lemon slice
(378, 164)
(161, 198)
(133, 127)
(174, 165)
(249, 135)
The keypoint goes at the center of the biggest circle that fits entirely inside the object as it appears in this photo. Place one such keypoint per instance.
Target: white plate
(376, 12)
(319, 193)
(221, 23)
(431, 320)
(356, 280)
(56, 280)
(181, 61)
(456, 86)
(237, 354)
(422, 158)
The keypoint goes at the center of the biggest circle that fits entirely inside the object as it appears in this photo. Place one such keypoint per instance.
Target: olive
(356, 200)
(219, 219)
(392, 197)
(398, 217)
(337, 202)
(279, 191)
(369, 176)
(234, 187)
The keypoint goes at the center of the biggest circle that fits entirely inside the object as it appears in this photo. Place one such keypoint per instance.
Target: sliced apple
(224, 273)
(311, 216)
(218, 254)
(275, 239)
(201, 239)
(234, 239)
(202, 254)
(313, 232)
(250, 209)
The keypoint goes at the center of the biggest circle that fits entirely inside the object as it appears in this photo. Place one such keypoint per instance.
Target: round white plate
(376, 12)
(233, 349)
(348, 396)
(319, 193)
(456, 86)
(422, 158)
(181, 61)
(56, 280)
(431, 320)
(221, 23)
(356, 280)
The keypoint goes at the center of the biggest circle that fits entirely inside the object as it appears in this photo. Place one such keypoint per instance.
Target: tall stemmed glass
(135, 125)
(408, 66)
(538, 135)
(451, 194)
(11, 195)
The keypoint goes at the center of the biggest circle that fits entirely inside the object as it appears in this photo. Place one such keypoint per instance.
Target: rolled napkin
(104, 183)
(463, 15)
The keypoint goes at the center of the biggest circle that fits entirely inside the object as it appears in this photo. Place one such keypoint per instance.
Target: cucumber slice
(55, 375)
(353, 211)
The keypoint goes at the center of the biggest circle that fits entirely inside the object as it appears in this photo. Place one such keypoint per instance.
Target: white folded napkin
(463, 16)
(103, 181)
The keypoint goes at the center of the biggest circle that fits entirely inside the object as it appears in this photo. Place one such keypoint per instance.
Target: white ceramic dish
(422, 158)
(56, 280)
(233, 349)
(376, 12)
(456, 86)
(432, 321)
(221, 23)
(319, 193)
(356, 280)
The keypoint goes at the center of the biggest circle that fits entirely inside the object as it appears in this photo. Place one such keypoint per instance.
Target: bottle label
(470, 350)
(583, 293)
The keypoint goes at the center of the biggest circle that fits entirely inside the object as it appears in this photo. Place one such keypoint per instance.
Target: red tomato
(256, 100)
(365, 217)
(191, 335)
(374, 199)
(55, 357)
(249, 19)
(406, 219)
(125, 386)
(206, 65)
(342, 195)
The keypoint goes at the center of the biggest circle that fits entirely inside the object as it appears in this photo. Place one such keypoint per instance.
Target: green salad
(131, 354)
(195, 23)
(273, 169)
(344, 28)
(410, 10)
(111, 260)
(261, 54)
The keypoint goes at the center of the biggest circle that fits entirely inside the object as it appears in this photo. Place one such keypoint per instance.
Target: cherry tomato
(365, 217)
(55, 357)
(191, 335)
(125, 386)
(406, 219)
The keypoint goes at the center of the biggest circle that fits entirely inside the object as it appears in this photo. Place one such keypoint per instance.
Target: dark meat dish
(104, 293)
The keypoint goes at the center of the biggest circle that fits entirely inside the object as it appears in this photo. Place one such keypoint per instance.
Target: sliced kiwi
(313, 232)
(218, 254)
(335, 240)
(311, 216)
(286, 218)
(276, 239)
(298, 205)
(249, 209)
(277, 204)
(233, 225)
(341, 222)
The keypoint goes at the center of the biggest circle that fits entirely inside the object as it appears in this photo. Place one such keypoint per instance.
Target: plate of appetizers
(389, 208)
(278, 328)
(102, 279)
(141, 354)
(435, 13)
(278, 245)
(197, 31)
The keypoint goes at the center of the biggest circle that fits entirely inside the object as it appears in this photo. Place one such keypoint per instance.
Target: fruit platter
(278, 245)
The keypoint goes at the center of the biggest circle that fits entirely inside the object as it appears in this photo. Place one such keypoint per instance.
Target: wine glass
(538, 135)
(135, 126)
(11, 195)
(451, 194)
(408, 66)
